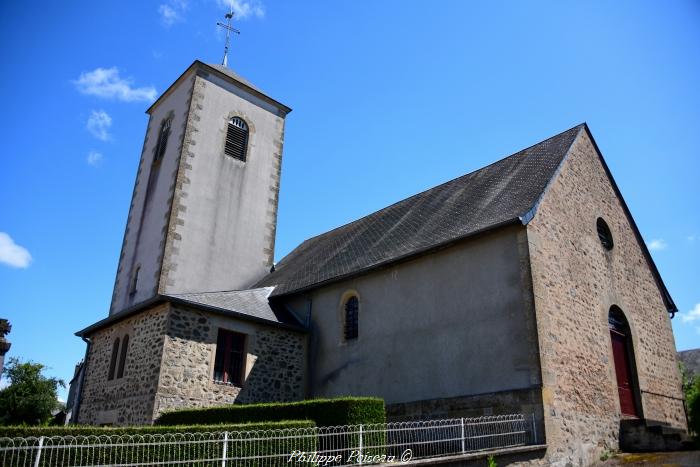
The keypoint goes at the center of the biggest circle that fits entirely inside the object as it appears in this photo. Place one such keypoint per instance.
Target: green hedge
(324, 412)
(87, 430)
(179, 444)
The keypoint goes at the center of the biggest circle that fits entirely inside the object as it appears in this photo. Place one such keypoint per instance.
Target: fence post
(534, 429)
(224, 452)
(360, 444)
(38, 452)
(463, 449)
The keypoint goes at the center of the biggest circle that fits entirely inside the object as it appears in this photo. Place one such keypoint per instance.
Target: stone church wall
(275, 367)
(170, 364)
(576, 281)
(127, 400)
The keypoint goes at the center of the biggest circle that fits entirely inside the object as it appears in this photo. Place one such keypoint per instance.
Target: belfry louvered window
(236, 139)
(162, 139)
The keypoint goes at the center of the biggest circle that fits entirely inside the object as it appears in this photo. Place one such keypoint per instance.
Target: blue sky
(389, 98)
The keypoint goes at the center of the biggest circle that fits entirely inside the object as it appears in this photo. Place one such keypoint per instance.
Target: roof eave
(233, 313)
(407, 257)
(158, 299)
(131, 311)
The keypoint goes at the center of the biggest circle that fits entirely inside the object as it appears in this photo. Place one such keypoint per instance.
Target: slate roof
(501, 193)
(251, 305)
(252, 302)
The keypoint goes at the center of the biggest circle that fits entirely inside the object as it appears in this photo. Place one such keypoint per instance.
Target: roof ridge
(435, 187)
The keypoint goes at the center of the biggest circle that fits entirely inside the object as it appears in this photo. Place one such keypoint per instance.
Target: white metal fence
(327, 446)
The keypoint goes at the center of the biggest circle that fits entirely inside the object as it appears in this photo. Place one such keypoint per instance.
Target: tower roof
(200, 67)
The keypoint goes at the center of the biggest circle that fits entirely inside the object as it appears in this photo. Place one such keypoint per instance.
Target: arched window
(604, 234)
(352, 308)
(236, 139)
(122, 356)
(113, 361)
(162, 139)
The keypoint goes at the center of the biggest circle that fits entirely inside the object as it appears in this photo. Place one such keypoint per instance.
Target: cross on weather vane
(229, 29)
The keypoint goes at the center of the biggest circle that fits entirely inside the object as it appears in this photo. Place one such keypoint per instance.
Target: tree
(31, 397)
(691, 389)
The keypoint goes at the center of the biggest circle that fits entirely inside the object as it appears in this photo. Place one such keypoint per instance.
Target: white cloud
(94, 158)
(244, 8)
(106, 83)
(168, 15)
(98, 124)
(692, 238)
(13, 254)
(172, 12)
(657, 244)
(692, 315)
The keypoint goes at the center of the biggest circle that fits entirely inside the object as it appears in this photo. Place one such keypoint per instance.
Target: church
(522, 287)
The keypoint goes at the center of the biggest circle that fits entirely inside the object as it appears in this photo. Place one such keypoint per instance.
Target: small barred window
(236, 139)
(230, 359)
(352, 308)
(604, 234)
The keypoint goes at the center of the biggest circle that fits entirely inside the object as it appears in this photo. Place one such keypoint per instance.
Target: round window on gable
(604, 234)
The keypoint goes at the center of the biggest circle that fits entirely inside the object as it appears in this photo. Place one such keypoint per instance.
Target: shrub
(86, 445)
(87, 430)
(324, 412)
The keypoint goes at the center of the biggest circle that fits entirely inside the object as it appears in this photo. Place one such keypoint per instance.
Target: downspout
(79, 396)
(310, 347)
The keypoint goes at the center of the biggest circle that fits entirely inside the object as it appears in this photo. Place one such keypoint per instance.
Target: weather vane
(229, 29)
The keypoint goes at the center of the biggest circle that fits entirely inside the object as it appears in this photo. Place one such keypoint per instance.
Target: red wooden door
(625, 385)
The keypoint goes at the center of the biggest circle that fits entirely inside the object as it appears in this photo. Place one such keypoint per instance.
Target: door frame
(622, 327)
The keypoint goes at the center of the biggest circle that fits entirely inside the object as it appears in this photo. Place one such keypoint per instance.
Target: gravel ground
(666, 459)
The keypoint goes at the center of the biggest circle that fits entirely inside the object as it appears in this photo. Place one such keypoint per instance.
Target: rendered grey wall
(225, 210)
(145, 230)
(453, 323)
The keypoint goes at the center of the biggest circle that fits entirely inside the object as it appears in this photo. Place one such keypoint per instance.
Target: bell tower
(203, 211)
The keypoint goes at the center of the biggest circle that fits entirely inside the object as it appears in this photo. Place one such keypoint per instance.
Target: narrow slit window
(162, 140)
(122, 356)
(113, 360)
(229, 363)
(236, 139)
(352, 308)
(134, 281)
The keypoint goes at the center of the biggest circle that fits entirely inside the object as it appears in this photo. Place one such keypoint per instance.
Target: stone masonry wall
(127, 400)
(275, 366)
(575, 282)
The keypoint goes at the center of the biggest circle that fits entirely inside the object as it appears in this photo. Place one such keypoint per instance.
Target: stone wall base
(527, 401)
